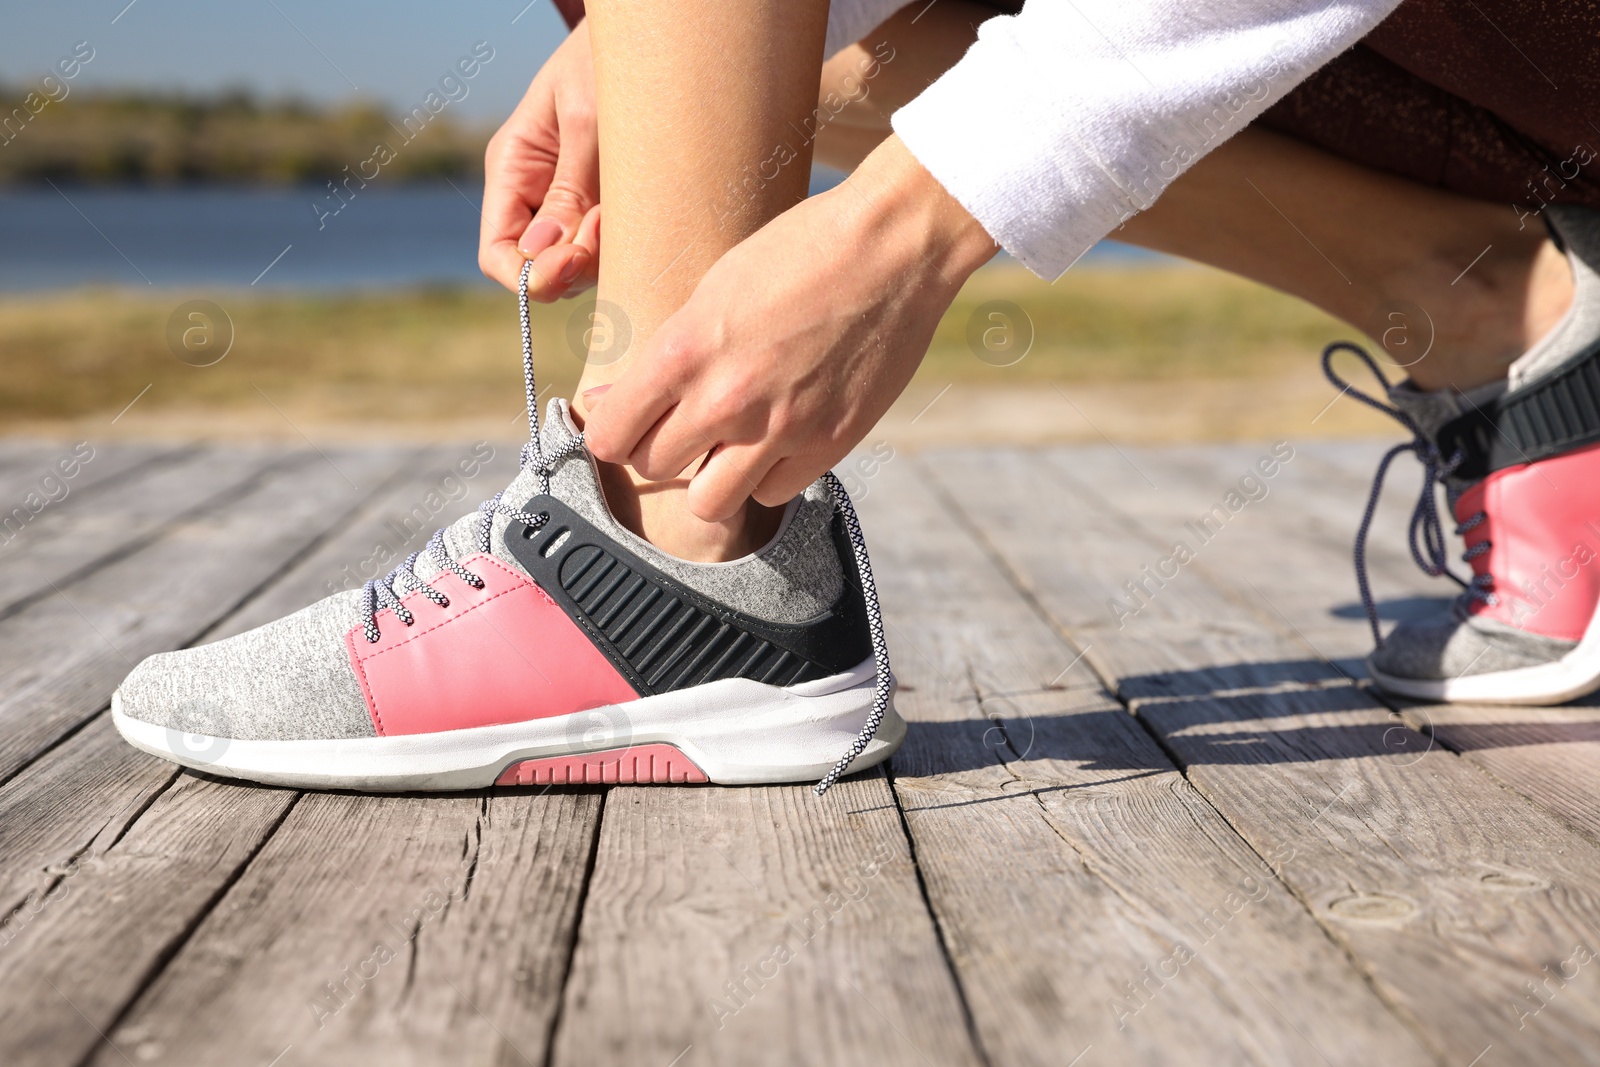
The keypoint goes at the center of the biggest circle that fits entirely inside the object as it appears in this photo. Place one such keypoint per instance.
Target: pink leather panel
(657, 764)
(503, 653)
(1543, 526)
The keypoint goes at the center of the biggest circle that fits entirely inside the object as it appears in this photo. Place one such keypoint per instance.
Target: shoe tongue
(1431, 410)
(558, 428)
(556, 431)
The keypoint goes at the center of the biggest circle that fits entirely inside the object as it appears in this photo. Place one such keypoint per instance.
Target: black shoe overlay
(1558, 413)
(662, 635)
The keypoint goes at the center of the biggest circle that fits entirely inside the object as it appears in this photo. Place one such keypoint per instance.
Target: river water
(267, 238)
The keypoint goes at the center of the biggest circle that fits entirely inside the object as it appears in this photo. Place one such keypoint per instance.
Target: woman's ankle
(1486, 317)
(659, 513)
(1551, 291)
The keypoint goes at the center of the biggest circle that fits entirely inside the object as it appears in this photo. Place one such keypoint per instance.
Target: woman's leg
(702, 108)
(1397, 259)
(1417, 268)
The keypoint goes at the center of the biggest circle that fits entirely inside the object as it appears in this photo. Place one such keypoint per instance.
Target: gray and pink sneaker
(538, 641)
(1520, 464)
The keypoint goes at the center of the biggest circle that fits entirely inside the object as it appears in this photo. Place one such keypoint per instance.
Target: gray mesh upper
(288, 679)
(1454, 644)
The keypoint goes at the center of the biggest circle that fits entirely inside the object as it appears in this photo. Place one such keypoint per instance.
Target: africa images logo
(201, 732)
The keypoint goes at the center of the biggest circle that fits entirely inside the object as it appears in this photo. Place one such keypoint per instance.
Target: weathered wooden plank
(743, 925)
(1550, 755)
(25, 452)
(63, 655)
(102, 522)
(61, 475)
(68, 970)
(61, 810)
(1413, 860)
(1320, 501)
(1076, 874)
(408, 930)
(23, 462)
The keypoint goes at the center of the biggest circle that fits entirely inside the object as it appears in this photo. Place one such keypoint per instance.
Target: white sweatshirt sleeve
(1064, 121)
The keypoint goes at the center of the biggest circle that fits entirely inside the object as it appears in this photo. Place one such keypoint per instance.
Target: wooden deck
(1187, 839)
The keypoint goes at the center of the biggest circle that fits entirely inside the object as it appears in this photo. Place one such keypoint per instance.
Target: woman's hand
(541, 197)
(796, 342)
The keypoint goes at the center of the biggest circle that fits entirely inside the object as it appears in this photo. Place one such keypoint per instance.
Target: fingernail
(574, 266)
(540, 235)
(591, 395)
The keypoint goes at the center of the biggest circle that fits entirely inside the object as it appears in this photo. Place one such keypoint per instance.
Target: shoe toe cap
(288, 680)
(171, 691)
(1451, 645)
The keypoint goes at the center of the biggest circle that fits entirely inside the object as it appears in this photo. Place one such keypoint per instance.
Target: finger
(588, 237)
(589, 231)
(515, 178)
(788, 478)
(557, 270)
(573, 192)
(668, 448)
(726, 480)
(539, 235)
(569, 268)
(498, 257)
(636, 401)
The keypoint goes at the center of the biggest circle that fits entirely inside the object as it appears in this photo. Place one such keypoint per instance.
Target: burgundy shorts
(1494, 99)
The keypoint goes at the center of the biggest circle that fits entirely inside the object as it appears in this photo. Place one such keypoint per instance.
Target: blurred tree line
(232, 137)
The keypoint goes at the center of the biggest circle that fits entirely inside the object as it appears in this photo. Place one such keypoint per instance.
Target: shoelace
(380, 593)
(880, 647)
(1426, 536)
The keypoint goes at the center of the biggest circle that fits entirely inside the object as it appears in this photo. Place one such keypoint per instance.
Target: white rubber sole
(1577, 674)
(736, 731)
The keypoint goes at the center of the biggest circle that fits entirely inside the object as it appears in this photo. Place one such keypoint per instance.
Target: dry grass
(373, 358)
(1133, 324)
(1204, 353)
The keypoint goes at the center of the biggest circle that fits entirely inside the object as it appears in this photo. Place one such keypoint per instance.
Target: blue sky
(392, 52)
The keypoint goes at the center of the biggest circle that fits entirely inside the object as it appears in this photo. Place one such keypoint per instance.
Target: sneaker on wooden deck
(538, 641)
(1520, 463)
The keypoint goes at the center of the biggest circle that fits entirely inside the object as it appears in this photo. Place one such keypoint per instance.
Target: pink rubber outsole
(658, 764)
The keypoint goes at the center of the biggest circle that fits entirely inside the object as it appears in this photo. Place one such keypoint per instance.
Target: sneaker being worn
(538, 641)
(1520, 463)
